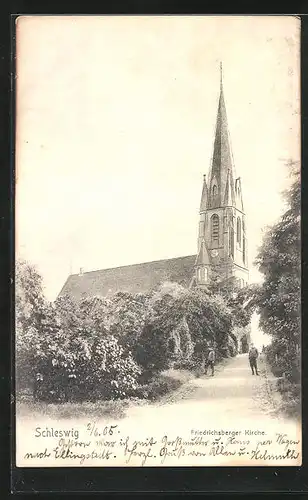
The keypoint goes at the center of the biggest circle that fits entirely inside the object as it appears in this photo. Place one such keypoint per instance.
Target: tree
(32, 313)
(29, 297)
(279, 295)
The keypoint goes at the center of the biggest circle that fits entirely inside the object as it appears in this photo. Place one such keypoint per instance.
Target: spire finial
(221, 74)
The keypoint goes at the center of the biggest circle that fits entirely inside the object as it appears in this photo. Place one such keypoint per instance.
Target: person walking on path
(210, 361)
(253, 356)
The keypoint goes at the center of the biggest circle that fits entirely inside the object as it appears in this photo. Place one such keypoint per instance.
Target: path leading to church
(233, 393)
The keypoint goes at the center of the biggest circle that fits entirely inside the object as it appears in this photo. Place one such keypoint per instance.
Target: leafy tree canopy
(279, 261)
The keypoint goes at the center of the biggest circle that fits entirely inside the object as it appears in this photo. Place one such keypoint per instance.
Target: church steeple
(222, 162)
(222, 239)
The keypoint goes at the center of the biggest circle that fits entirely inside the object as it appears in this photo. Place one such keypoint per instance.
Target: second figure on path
(210, 362)
(253, 356)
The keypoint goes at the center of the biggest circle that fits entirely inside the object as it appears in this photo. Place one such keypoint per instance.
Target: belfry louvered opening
(215, 228)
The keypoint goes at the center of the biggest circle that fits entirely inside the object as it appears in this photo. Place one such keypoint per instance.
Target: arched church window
(239, 231)
(215, 228)
(214, 191)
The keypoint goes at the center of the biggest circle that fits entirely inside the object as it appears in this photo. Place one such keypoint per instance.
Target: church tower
(222, 243)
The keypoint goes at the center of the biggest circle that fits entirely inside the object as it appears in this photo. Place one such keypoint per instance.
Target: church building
(222, 240)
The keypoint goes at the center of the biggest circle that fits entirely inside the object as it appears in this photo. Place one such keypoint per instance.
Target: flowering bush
(84, 367)
(114, 372)
(63, 350)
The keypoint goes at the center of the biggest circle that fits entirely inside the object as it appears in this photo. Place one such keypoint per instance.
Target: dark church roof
(136, 278)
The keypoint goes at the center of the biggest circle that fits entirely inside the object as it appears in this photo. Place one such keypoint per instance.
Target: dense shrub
(156, 350)
(35, 347)
(81, 369)
(286, 367)
(180, 327)
(284, 359)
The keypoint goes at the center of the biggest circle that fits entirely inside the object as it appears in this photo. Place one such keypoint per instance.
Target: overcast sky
(115, 128)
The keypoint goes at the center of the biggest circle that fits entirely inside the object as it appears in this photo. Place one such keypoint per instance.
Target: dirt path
(233, 392)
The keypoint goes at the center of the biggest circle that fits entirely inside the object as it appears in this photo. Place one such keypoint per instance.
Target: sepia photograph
(158, 245)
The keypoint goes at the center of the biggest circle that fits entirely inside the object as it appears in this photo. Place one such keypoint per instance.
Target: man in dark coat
(210, 361)
(253, 356)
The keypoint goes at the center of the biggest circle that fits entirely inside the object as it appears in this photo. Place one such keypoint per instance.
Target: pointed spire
(204, 196)
(203, 255)
(222, 160)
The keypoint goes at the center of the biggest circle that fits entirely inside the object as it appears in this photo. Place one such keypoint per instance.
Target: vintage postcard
(158, 241)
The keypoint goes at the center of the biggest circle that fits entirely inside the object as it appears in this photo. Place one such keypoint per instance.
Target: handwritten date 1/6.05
(95, 431)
